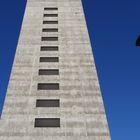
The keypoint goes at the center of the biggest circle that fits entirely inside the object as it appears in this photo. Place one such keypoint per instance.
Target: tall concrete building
(53, 92)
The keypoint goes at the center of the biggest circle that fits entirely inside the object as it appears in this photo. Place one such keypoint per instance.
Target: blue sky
(113, 28)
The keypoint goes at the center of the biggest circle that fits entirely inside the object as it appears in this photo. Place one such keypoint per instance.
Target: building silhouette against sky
(138, 41)
(53, 91)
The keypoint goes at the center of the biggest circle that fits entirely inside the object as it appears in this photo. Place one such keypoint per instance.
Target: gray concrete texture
(81, 112)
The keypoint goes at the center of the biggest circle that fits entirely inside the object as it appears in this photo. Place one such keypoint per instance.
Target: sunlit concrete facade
(81, 110)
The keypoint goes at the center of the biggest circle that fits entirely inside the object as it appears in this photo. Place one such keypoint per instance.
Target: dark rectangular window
(49, 48)
(48, 72)
(50, 30)
(48, 86)
(47, 103)
(49, 38)
(47, 122)
(50, 15)
(50, 8)
(49, 59)
(50, 22)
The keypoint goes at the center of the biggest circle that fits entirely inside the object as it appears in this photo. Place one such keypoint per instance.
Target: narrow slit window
(49, 59)
(50, 15)
(48, 72)
(47, 122)
(49, 38)
(47, 103)
(50, 8)
(49, 48)
(50, 22)
(48, 86)
(50, 30)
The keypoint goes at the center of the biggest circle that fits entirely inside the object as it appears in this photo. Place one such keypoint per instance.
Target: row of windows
(48, 103)
(48, 72)
(48, 122)
(49, 59)
(50, 30)
(50, 15)
(50, 8)
(49, 38)
(48, 86)
(50, 22)
(49, 48)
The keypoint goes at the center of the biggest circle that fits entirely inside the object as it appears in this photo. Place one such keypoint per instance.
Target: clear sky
(113, 27)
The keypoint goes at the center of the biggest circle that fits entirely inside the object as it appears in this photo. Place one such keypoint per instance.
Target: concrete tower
(53, 92)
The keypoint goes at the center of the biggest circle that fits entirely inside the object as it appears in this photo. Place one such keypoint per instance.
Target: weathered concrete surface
(81, 108)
